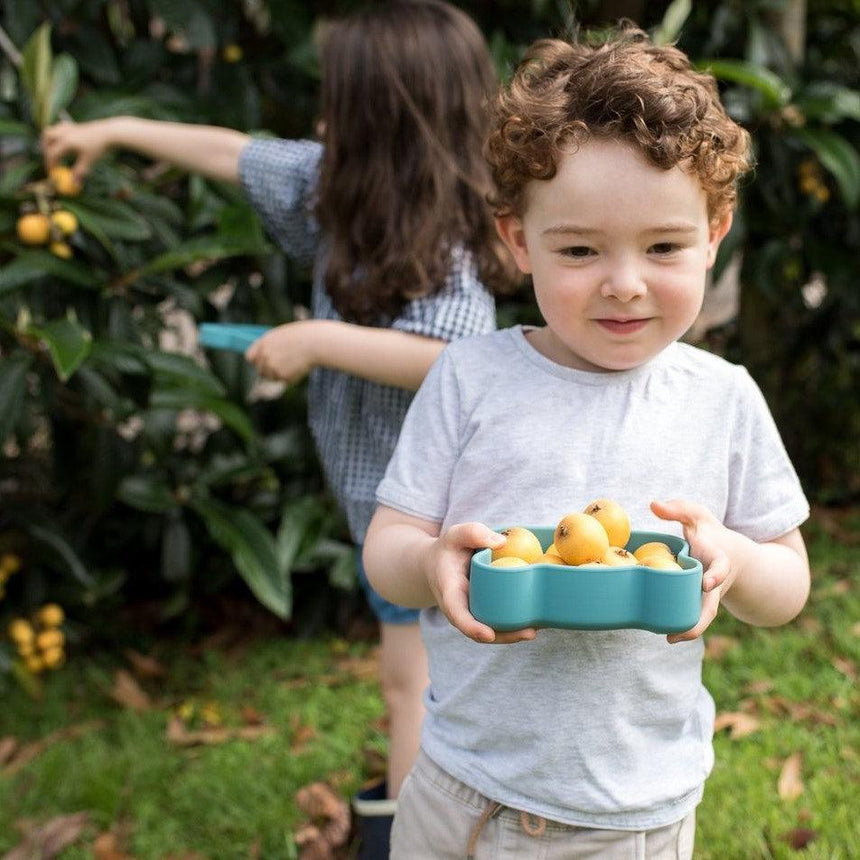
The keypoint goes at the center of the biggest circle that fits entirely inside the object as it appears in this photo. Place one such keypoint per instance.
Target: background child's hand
(287, 352)
(448, 580)
(87, 140)
(706, 535)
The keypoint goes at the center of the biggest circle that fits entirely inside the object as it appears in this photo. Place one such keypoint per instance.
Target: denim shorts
(387, 613)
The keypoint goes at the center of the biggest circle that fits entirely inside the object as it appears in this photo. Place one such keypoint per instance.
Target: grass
(236, 799)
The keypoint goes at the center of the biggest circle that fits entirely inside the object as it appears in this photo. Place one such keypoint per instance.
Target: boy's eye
(664, 248)
(577, 251)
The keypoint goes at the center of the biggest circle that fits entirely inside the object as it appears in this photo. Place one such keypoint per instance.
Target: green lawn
(321, 711)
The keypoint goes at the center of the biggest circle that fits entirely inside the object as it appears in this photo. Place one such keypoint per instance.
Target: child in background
(390, 208)
(616, 170)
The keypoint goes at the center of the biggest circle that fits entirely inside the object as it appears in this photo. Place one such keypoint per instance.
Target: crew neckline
(584, 377)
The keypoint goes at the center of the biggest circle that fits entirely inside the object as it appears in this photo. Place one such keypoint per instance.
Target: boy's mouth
(622, 326)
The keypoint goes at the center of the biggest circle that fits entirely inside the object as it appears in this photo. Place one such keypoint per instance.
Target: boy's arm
(211, 151)
(410, 562)
(765, 584)
(383, 355)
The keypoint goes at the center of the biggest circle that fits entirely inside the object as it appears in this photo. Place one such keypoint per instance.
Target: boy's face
(618, 250)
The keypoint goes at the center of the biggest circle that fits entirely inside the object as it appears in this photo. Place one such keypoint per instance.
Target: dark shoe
(373, 813)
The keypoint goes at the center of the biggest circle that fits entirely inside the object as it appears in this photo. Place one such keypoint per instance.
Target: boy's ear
(717, 234)
(510, 230)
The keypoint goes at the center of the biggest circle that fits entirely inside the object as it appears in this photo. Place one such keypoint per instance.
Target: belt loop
(532, 829)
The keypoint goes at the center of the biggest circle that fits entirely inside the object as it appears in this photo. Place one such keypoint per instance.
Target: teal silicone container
(582, 598)
(235, 337)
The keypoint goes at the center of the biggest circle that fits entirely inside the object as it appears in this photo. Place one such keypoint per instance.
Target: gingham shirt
(355, 422)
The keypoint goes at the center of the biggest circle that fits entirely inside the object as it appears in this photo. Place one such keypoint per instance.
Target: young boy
(616, 170)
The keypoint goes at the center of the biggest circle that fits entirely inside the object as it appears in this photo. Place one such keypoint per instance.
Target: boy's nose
(623, 282)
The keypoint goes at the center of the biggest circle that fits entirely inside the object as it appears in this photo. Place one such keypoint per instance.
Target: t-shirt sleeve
(765, 496)
(279, 178)
(418, 477)
(463, 306)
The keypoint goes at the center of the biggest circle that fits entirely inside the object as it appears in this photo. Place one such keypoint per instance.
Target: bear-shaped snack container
(234, 337)
(588, 597)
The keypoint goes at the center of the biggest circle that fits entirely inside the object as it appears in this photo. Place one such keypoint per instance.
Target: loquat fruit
(33, 229)
(64, 181)
(658, 561)
(20, 631)
(64, 221)
(61, 249)
(519, 543)
(53, 658)
(10, 563)
(580, 538)
(551, 558)
(613, 518)
(51, 615)
(652, 548)
(47, 639)
(617, 556)
(508, 561)
(34, 664)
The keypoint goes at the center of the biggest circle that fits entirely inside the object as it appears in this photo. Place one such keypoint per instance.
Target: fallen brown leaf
(8, 745)
(107, 847)
(145, 666)
(328, 829)
(25, 754)
(799, 838)
(716, 646)
(179, 735)
(251, 716)
(738, 723)
(758, 687)
(128, 693)
(47, 841)
(846, 667)
(302, 734)
(790, 785)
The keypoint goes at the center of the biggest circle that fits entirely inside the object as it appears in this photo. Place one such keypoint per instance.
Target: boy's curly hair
(626, 89)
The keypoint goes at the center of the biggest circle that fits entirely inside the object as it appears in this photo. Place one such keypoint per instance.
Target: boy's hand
(87, 140)
(448, 580)
(706, 535)
(287, 352)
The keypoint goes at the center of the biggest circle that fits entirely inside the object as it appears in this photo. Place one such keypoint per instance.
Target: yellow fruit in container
(64, 181)
(658, 561)
(551, 558)
(657, 548)
(33, 229)
(508, 561)
(580, 538)
(519, 543)
(613, 518)
(617, 556)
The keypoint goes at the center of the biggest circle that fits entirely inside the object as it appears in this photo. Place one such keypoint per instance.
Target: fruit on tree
(34, 228)
(64, 221)
(520, 543)
(580, 538)
(64, 181)
(613, 518)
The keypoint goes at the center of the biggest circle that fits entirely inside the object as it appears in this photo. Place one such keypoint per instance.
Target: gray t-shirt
(608, 729)
(355, 422)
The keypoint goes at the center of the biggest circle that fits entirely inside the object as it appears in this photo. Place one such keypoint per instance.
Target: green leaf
(105, 216)
(62, 549)
(829, 103)
(673, 21)
(183, 372)
(185, 398)
(13, 387)
(839, 157)
(31, 266)
(68, 343)
(14, 128)
(206, 248)
(253, 551)
(64, 84)
(149, 493)
(297, 519)
(775, 91)
(13, 178)
(36, 70)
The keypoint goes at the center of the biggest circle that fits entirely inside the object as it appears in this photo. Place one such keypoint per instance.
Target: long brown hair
(403, 183)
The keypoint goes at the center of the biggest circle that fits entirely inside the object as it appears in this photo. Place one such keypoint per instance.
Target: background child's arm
(208, 150)
(765, 584)
(410, 562)
(383, 355)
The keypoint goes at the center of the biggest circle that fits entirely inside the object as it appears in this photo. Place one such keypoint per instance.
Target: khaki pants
(439, 817)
